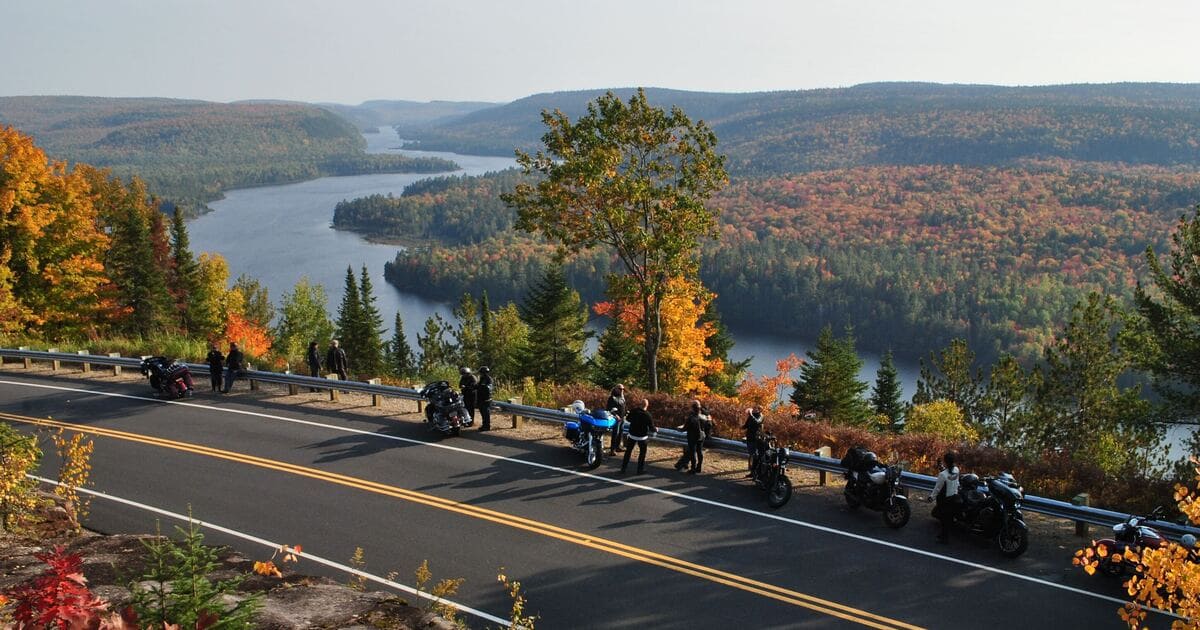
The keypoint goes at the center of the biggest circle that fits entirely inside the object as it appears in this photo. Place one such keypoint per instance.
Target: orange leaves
(285, 554)
(267, 568)
(254, 340)
(766, 391)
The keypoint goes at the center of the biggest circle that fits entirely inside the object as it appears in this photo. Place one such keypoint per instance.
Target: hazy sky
(348, 51)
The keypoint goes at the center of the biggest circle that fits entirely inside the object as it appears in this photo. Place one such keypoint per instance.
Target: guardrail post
(1084, 500)
(517, 419)
(28, 363)
(253, 383)
(54, 363)
(87, 367)
(292, 389)
(116, 368)
(376, 399)
(822, 476)
(333, 391)
(420, 401)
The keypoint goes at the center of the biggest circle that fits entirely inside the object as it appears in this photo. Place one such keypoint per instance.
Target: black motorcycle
(444, 408)
(770, 471)
(991, 508)
(168, 377)
(875, 486)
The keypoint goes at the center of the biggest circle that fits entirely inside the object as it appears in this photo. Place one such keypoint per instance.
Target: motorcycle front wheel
(852, 501)
(897, 514)
(594, 454)
(1013, 541)
(780, 492)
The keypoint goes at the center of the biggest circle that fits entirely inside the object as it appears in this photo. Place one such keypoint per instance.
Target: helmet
(1188, 541)
(485, 369)
(464, 370)
(578, 406)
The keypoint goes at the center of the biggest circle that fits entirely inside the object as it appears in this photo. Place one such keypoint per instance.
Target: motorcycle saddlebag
(571, 430)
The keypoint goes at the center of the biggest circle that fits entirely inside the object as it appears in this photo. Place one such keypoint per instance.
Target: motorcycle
(168, 377)
(991, 508)
(770, 471)
(875, 486)
(587, 435)
(1129, 539)
(444, 408)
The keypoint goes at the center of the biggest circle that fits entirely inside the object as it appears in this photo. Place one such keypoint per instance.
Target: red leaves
(59, 598)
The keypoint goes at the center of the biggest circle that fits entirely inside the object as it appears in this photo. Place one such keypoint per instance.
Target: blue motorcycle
(587, 435)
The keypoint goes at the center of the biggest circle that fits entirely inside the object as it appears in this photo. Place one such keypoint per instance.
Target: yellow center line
(771, 591)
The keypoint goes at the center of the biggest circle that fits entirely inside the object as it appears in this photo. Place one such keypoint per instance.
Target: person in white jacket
(945, 492)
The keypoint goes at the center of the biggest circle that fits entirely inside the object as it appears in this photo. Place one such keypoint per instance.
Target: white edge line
(266, 543)
(621, 482)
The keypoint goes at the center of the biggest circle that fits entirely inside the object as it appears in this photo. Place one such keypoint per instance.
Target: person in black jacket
(616, 404)
(235, 363)
(216, 363)
(313, 358)
(641, 427)
(468, 383)
(753, 427)
(693, 453)
(336, 360)
(483, 398)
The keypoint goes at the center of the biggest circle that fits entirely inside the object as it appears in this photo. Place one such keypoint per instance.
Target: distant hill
(770, 133)
(190, 151)
(372, 114)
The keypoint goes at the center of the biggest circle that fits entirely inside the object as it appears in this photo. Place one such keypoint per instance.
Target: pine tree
(556, 319)
(618, 357)
(948, 376)
(886, 396)
(469, 333)
(350, 318)
(184, 280)
(719, 344)
(436, 352)
(370, 336)
(140, 281)
(828, 385)
(400, 355)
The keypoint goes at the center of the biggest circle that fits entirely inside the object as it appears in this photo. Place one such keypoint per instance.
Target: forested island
(188, 152)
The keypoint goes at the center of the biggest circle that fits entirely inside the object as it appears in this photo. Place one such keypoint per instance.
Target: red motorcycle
(1129, 539)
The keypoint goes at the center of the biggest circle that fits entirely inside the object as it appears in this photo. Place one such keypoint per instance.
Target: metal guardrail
(913, 481)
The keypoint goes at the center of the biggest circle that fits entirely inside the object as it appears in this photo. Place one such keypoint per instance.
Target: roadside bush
(19, 455)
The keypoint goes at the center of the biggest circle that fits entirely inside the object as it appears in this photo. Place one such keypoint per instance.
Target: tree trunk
(652, 333)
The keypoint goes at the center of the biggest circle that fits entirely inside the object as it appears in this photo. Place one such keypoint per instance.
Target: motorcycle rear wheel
(1013, 541)
(897, 514)
(780, 492)
(594, 454)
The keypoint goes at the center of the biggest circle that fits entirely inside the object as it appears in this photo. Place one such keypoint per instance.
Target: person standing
(468, 384)
(235, 362)
(693, 453)
(216, 363)
(616, 404)
(483, 398)
(753, 427)
(336, 360)
(313, 358)
(945, 492)
(641, 427)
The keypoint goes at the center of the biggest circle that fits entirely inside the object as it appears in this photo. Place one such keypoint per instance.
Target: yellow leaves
(74, 471)
(285, 553)
(267, 568)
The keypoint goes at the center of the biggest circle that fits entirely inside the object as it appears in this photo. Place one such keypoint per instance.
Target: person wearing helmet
(483, 398)
(616, 404)
(468, 383)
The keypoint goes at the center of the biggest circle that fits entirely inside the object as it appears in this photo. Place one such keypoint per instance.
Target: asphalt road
(661, 550)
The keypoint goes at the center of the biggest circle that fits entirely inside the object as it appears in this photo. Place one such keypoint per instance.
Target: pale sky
(349, 51)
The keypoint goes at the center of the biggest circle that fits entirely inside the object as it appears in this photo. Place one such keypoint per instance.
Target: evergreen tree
(350, 317)
(948, 376)
(400, 355)
(184, 281)
(256, 301)
(1079, 405)
(719, 344)
(436, 352)
(370, 335)
(141, 282)
(828, 385)
(1166, 339)
(487, 343)
(1007, 399)
(469, 333)
(618, 358)
(556, 319)
(886, 396)
(303, 317)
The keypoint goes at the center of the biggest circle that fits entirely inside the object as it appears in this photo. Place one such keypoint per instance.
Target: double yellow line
(756, 587)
